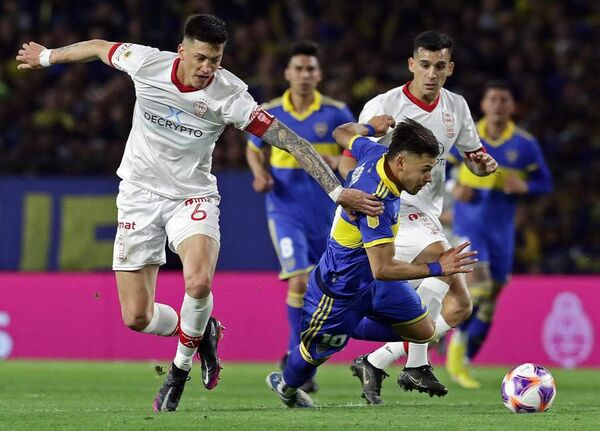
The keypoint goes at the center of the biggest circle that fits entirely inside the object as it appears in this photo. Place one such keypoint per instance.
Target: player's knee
(298, 284)
(197, 286)
(136, 320)
(426, 331)
(457, 309)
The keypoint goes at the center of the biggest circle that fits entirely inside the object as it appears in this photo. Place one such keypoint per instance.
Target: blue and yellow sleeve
(539, 178)
(380, 229)
(362, 147)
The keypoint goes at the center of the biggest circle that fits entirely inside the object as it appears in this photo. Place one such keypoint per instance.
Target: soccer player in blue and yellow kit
(356, 289)
(484, 214)
(299, 212)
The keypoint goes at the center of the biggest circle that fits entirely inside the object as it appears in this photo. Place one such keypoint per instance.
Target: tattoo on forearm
(281, 136)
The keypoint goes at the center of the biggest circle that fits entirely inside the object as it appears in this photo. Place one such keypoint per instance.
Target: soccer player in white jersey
(184, 100)
(420, 237)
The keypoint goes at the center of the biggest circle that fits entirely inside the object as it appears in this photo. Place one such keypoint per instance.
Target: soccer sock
(387, 354)
(194, 317)
(441, 327)
(431, 291)
(371, 330)
(297, 370)
(477, 332)
(164, 321)
(295, 302)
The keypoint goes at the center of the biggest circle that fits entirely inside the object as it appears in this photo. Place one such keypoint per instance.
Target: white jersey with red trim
(449, 118)
(175, 127)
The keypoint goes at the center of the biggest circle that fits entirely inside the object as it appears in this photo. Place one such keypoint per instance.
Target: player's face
(430, 70)
(200, 61)
(303, 73)
(414, 171)
(498, 105)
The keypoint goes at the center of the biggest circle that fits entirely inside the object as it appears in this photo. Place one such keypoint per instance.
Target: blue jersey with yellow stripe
(344, 268)
(492, 210)
(295, 192)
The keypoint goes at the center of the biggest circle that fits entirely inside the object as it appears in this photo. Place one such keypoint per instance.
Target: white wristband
(335, 193)
(44, 57)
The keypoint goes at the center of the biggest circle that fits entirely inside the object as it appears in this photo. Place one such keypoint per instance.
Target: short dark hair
(497, 84)
(205, 28)
(433, 41)
(304, 48)
(414, 138)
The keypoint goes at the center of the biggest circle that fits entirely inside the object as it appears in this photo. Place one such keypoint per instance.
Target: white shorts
(146, 220)
(417, 230)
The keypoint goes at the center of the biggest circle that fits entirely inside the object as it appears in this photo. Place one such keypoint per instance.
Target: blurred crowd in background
(75, 119)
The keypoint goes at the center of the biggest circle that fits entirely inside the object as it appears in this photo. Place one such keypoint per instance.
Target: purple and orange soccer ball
(528, 388)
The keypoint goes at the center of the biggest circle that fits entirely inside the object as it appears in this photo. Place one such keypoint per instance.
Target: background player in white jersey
(420, 237)
(184, 100)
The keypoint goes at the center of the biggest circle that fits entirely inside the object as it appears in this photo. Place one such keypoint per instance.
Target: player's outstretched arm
(281, 136)
(385, 267)
(35, 56)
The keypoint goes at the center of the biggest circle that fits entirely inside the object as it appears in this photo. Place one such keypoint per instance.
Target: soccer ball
(528, 388)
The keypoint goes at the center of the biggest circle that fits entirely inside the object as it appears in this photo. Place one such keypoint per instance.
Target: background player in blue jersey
(299, 212)
(356, 289)
(484, 213)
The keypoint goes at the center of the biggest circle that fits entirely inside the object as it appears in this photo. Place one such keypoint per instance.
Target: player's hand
(353, 200)
(263, 182)
(28, 56)
(381, 124)
(485, 163)
(515, 185)
(462, 193)
(456, 259)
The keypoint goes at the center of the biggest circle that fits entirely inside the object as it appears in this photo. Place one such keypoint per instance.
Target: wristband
(335, 193)
(435, 269)
(370, 129)
(44, 57)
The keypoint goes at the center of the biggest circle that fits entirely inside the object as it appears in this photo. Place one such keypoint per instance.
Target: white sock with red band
(194, 318)
(164, 321)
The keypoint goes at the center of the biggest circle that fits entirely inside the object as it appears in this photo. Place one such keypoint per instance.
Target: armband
(435, 269)
(260, 121)
(371, 129)
(44, 57)
(335, 193)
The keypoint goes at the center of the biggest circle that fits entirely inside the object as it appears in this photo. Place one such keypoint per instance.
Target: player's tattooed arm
(281, 136)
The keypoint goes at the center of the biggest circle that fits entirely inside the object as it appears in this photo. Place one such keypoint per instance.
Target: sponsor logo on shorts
(126, 225)
(192, 201)
(414, 216)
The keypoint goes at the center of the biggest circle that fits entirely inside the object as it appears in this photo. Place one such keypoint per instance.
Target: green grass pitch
(42, 395)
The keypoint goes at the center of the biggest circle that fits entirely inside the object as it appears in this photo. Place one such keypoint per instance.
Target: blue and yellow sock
(297, 370)
(295, 302)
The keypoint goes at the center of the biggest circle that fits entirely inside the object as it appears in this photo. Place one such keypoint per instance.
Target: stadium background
(63, 131)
